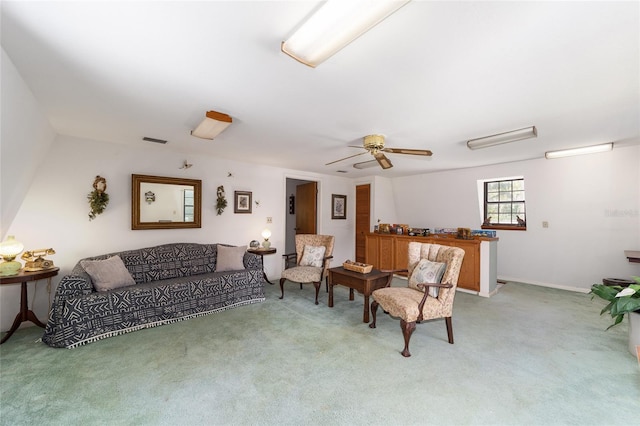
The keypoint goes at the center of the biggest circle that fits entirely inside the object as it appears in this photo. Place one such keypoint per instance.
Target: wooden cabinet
(387, 251)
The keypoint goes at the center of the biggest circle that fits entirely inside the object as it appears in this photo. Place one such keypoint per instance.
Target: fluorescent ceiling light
(500, 138)
(366, 164)
(336, 24)
(213, 124)
(579, 151)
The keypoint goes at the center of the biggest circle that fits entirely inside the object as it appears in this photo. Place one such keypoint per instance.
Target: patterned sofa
(173, 282)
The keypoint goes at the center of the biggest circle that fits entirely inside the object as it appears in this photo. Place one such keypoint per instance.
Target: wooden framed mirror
(159, 202)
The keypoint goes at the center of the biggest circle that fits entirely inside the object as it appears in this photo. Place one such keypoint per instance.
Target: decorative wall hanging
(242, 202)
(221, 202)
(98, 198)
(338, 206)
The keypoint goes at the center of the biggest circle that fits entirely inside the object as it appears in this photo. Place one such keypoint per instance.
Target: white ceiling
(431, 76)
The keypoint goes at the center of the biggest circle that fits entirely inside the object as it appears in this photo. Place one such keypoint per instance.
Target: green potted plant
(622, 300)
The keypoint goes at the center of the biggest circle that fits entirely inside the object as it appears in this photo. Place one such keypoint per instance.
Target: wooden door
(363, 219)
(306, 204)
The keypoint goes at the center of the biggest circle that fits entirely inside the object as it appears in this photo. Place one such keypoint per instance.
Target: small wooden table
(262, 252)
(363, 283)
(25, 313)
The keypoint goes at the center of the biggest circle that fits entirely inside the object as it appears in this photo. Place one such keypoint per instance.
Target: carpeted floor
(526, 356)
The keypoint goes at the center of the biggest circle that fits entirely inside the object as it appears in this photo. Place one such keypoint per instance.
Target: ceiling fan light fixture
(505, 137)
(549, 155)
(213, 124)
(336, 24)
(373, 143)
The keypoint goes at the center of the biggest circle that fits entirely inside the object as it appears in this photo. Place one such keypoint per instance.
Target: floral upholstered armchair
(433, 276)
(312, 257)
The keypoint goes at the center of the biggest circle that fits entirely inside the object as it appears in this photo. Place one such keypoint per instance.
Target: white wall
(55, 209)
(591, 202)
(25, 138)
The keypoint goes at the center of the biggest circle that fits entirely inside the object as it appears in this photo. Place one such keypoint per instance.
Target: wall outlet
(545, 224)
(269, 219)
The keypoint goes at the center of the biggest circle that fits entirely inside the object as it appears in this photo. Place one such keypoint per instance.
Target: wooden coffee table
(363, 283)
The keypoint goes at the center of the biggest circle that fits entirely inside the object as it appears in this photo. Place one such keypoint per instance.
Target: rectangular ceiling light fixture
(500, 138)
(366, 164)
(336, 24)
(579, 151)
(213, 124)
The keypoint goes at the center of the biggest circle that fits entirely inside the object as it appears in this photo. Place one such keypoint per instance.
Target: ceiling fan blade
(408, 151)
(345, 158)
(383, 161)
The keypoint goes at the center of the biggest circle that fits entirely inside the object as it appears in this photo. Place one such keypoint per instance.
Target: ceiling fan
(374, 144)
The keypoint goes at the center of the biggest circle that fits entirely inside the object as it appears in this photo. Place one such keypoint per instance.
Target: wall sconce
(500, 138)
(335, 25)
(213, 124)
(579, 151)
(266, 234)
(9, 249)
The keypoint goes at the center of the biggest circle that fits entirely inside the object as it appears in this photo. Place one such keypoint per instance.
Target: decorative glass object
(9, 249)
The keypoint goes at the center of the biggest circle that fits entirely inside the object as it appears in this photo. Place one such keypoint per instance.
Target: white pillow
(313, 256)
(230, 258)
(108, 274)
(427, 271)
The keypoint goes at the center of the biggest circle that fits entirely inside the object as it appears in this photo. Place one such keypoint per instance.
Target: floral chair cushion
(303, 274)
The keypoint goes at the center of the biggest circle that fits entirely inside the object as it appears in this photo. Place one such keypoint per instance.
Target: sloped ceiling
(431, 76)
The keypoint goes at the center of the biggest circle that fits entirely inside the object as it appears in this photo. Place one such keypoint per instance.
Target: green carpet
(526, 356)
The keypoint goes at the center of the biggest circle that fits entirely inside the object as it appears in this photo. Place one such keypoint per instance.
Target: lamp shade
(266, 234)
(9, 249)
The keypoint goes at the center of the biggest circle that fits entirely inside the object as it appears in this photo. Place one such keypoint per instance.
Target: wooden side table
(262, 252)
(25, 313)
(362, 283)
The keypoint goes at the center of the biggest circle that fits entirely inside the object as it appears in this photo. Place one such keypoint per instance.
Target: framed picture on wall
(242, 202)
(338, 206)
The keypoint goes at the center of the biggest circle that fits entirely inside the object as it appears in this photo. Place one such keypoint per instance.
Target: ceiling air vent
(154, 140)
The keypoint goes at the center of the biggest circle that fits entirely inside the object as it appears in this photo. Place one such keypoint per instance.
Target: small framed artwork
(338, 206)
(242, 202)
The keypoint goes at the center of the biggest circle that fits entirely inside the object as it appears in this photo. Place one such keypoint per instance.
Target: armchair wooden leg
(407, 330)
(316, 284)
(449, 329)
(374, 310)
(282, 280)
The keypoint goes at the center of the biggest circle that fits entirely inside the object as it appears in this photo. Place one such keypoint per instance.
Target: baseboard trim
(544, 284)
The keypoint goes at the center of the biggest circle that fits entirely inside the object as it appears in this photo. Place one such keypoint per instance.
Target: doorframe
(319, 206)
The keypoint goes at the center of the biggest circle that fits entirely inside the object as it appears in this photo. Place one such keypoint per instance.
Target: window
(188, 205)
(504, 204)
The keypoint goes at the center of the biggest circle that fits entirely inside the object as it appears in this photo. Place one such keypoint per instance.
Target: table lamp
(266, 234)
(9, 249)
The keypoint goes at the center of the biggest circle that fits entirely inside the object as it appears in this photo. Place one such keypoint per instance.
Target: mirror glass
(159, 202)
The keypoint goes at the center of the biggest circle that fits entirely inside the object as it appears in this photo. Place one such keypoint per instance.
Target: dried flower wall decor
(98, 198)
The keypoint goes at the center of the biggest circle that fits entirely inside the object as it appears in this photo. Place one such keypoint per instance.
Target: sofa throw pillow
(427, 271)
(313, 256)
(230, 258)
(108, 274)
